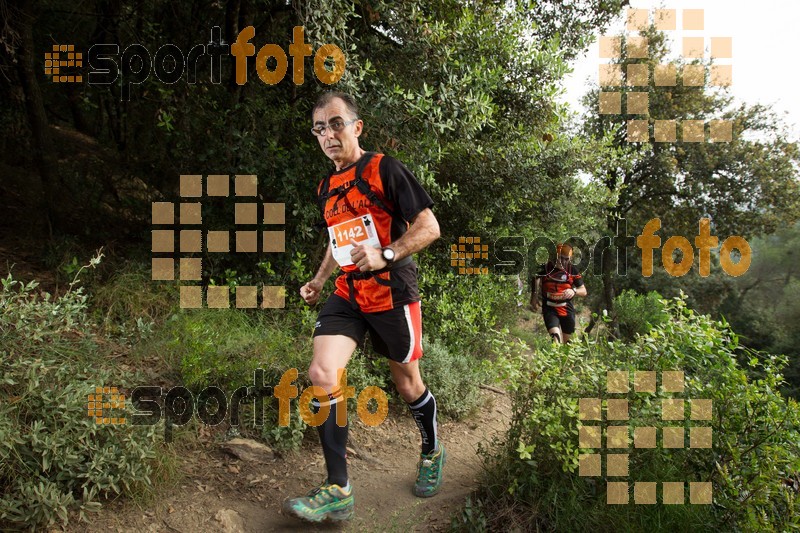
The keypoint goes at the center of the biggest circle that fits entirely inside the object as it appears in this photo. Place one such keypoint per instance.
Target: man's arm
(310, 292)
(578, 290)
(327, 267)
(423, 231)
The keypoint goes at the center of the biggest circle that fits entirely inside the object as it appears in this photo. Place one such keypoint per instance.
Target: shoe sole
(441, 472)
(333, 516)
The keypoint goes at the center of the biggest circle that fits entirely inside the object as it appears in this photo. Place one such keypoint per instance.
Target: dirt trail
(219, 493)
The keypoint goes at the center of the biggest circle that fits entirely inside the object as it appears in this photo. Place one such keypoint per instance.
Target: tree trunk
(231, 31)
(610, 260)
(34, 107)
(107, 31)
(78, 117)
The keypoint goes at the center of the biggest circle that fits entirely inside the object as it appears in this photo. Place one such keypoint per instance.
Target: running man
(377, 215)
(559, 283)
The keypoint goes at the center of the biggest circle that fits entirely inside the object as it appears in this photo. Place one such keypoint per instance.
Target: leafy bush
(53, 457)
(470, 314)
(534, 481)
(638, 313)
(223, 348)
(288, 438)
(366, 369)
(453, 377)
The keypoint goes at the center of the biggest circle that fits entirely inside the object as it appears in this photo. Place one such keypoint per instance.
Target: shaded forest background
(477, 121)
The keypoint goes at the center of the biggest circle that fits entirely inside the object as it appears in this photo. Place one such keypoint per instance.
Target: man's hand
(311, 291)
(562, 296)
(367, 258)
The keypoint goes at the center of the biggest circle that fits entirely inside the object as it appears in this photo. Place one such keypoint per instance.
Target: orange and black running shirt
(556, 280)
(400, 191)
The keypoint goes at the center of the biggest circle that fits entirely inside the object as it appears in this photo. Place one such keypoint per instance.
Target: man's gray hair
(327, 97)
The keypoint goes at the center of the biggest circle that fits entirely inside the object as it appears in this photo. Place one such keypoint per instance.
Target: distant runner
(559, 283)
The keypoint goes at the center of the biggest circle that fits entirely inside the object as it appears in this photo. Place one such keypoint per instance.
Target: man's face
(340, 146)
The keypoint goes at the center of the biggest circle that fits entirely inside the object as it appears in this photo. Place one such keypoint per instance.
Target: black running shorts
(552, 320)
(396, 333)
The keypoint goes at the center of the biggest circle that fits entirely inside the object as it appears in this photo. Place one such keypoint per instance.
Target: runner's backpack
(325, 192)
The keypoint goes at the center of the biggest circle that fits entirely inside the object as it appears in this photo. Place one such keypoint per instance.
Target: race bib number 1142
(345, 235)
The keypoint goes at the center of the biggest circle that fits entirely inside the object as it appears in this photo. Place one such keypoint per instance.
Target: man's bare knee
(331, 353)
(322, 376)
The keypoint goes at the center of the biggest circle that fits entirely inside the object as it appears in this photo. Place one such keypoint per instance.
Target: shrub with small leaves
(638, 313)
(754, 458)
(54, 458)
(453, 377)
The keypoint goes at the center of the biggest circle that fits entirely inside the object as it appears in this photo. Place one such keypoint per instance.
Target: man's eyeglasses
(336, 125)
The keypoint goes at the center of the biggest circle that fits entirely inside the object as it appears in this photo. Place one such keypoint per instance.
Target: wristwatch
(388, 255)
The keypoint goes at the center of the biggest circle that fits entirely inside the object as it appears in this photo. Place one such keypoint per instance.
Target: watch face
(388, 254)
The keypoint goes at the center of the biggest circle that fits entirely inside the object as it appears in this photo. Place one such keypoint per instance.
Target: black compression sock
(423, 409)
(334, 442)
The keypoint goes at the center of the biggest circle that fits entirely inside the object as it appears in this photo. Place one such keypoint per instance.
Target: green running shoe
(429, 473)
(326, 502)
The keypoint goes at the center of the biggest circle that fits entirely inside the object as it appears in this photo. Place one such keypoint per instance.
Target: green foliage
(453, 377)
(637, 314)
(436, 82)
(366, 369)
(755, 173)
(470, 314)
(53, 457)
(130, 303)
(59, 256)
(223, 347)
(763, 305)
(747, 186)
(534, 471)
(472, 517)
(287, 438)
(464, 114)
